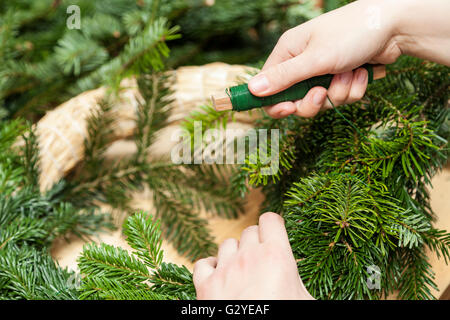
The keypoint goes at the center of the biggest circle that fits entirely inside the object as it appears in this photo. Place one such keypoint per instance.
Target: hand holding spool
(239, 98)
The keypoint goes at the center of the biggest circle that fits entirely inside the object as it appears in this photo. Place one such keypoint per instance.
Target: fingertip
(273, 112)
(259, 84)
(281, 110)
(311, 104)
(203, 268)
(287, 108)
(362, 76)
(359, 85)
(272, 217)
(339, 88)
(270, 112)
(319, 95)
(211, 261)
(272, 229)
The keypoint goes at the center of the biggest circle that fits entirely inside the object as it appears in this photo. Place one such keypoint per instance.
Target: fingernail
(346, 77)
(362, 76)
(259, 83)
(319, 98)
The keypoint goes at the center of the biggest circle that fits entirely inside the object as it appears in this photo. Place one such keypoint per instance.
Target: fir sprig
(30, 221)
(113, 273)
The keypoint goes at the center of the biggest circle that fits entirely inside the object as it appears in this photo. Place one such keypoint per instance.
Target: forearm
(339, 41)
(423, 28)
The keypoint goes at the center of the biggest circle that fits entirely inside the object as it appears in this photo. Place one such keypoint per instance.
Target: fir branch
(31, 158)
(152, 114)
(99, 133)
(101, 288)
(184, 228)
(143, 52)
(112, 262)
(145, 238)
(416, 277)
(32, 274)
(113, 273)
(175, 281)
(30, 221)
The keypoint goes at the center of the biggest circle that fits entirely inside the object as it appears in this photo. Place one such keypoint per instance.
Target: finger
(291, 43)
(281, 110)
(271, 229)
(203, 268)
(226, 251)
(359, 85)
(311, 104)
(249, 237)
(281, 76)
(339, 89)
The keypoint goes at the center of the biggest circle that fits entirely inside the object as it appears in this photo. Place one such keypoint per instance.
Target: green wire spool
(242, 99)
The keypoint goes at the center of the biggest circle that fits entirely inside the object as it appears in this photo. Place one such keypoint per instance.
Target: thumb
(283, 75)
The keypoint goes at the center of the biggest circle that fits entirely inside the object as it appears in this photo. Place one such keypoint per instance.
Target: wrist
(386, 16)
(422, 29)
(402, 14)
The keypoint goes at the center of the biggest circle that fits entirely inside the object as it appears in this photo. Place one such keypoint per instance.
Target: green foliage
(354, 194)
(352, 182)
(145, 239)
(30, 220)
(30, 273)
(42, 66)
(143, 52)
(206, 117)
(43, 62)
(339, 226)
(178, 192)
(113, 273)
(236, 31)
(256, 167)
(98, 180)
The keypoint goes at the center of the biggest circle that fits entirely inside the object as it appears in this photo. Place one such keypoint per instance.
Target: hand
(260, 266)
(375, 31)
